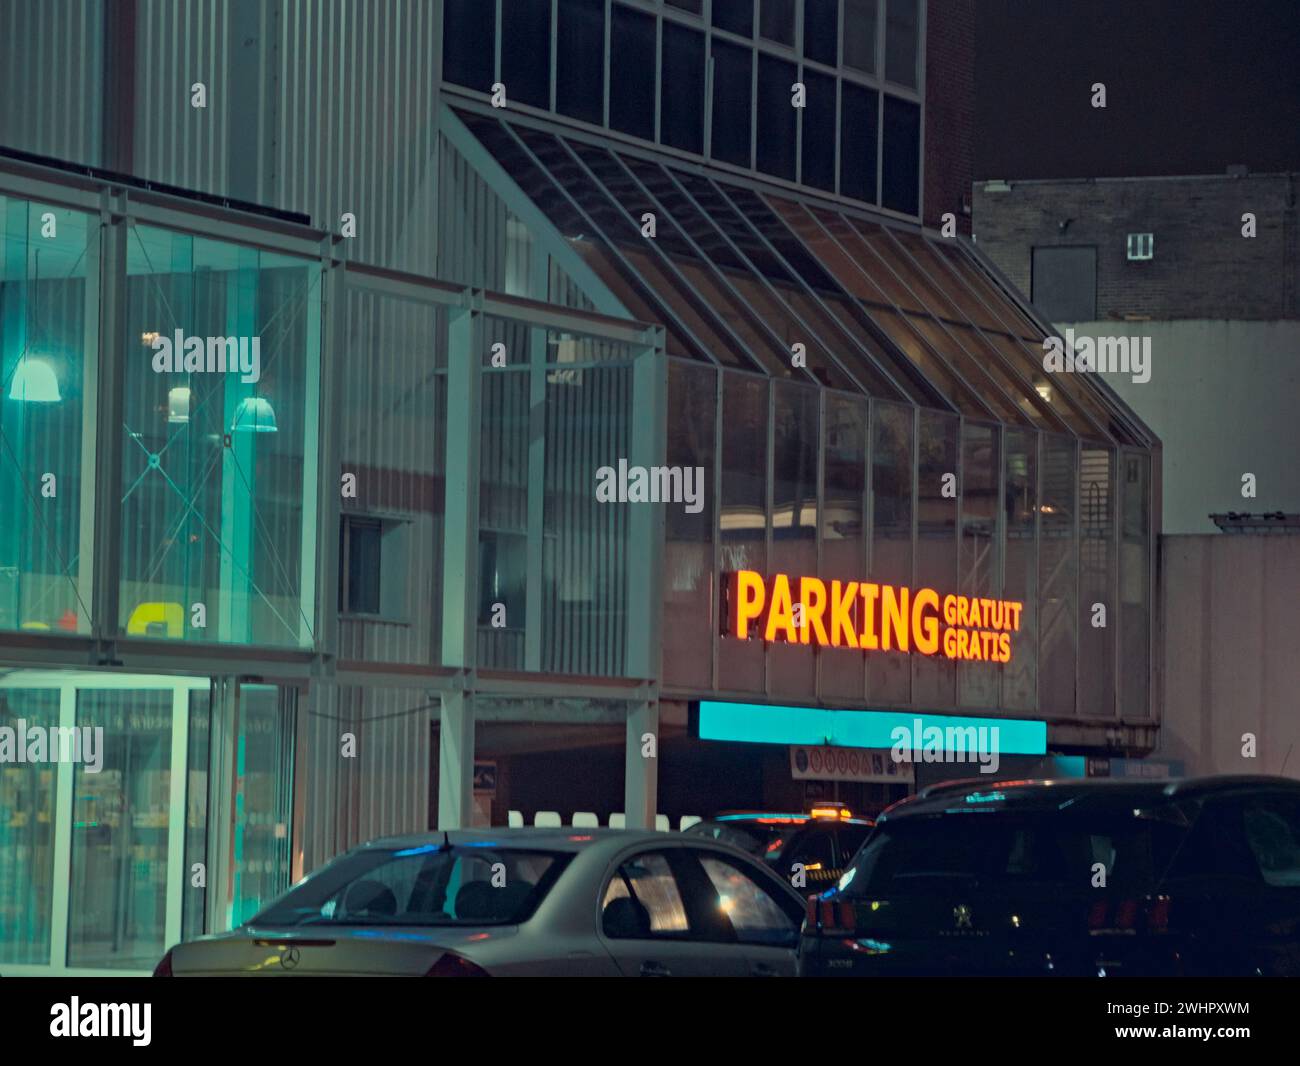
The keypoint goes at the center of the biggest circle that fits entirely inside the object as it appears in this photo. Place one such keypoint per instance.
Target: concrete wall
(1222, 399)
(1203, 267)
(1231, 652)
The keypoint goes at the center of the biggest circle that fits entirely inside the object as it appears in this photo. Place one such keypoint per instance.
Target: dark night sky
(1192, 86)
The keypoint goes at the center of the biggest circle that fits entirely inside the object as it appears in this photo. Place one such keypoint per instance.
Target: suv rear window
(996, 849)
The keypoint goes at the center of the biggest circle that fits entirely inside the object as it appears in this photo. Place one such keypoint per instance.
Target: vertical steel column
(456, 761)
(645, 548)
(641, 773)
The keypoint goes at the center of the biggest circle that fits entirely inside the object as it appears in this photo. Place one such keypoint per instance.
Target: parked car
(539, 902)
(821, 841)
(1200, 876)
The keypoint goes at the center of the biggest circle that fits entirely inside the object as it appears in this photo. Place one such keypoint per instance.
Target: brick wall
(1203, 267)
(950, 109)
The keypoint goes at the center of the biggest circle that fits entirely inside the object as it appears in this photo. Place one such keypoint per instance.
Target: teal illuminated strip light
(758, 723)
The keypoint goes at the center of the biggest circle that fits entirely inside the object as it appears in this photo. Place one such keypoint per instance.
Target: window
(858, 132)
(732, 92)
(526, 51)
(821, 31)
(694, 6)
(900, 42)
(374, 555)
(736, 16)
(1064, 283)
(579, 73)
(860, 34)
(656, 902)
(468, 43)
(902, 165)
(1141, 245)
(1273, 833)
(754, 914)
(818, 136)
(632, 89)
(776, 21)
(502, 584)
(681, 110)
(777, 118)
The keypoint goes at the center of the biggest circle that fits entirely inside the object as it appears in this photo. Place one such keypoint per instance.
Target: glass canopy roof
(738, 277)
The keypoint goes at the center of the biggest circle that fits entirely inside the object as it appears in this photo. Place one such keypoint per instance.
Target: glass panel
(1020, 675)
(263, 799)
(737, 16)
(860, 34)
(632, 48)
(819, 125)
(46, 313)
(955, 345)
(777, 119)
(468, 43)
(733, 81)
(859, 127)
(690, 595)
(117, 906)
(1058, 592)
(743, 520)
(889, 678)
(27, 799)
(194, 899)
(526, 51)
(901, 173)
(776, 20)
(580, 82)
(682, 101)
(1135, 587)
(934, 679)
(1097, 568)
(901, 33)
(222, 348)
(695, 6)
(980, 564)
(585, 548)
(792, 669)
(821, 28)
(843, 528)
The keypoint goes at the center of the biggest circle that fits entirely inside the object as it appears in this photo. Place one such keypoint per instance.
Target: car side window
(754, 914)
(643, 900)
(1273, 834)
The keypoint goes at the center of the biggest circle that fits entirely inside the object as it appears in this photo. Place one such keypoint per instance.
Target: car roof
(563, 838)
(1047, 794)
(732, 817)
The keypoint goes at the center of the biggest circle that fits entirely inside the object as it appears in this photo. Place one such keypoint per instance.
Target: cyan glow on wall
(759, 723)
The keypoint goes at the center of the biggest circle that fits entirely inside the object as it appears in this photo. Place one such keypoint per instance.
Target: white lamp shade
(178, 404)
(255, 415)
(34, 381)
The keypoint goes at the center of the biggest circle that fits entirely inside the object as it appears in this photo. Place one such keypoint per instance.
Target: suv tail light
(452, 965)
(164, 967)
(830, 917)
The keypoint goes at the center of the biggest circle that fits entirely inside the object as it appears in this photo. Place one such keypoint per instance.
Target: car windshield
(996, 850)
(425, 885)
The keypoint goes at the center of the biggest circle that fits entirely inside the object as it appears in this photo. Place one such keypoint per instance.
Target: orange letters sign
(868, 616)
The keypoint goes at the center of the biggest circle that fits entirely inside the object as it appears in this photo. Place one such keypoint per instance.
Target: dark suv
(1078, 877)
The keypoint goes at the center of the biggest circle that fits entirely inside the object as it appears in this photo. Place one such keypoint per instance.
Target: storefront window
(46, 367)
(889, 679)
(27, 825)
(120, 818)
(934, 678)
(690, 611)
(743, 520)
(219, 441)
(980, 549)
(1020, 508)
(843, 527)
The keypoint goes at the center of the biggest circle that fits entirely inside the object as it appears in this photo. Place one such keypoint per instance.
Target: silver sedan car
(529, 902)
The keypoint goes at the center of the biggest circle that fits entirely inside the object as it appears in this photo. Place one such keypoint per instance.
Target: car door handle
(764, 969)
(655, 969)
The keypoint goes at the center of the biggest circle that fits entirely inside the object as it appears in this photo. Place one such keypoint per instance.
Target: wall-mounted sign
(867, 616)
(821, 763)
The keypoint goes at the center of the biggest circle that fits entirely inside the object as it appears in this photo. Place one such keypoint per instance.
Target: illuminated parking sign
(867, 616)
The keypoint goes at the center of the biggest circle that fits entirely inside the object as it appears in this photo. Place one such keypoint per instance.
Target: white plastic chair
(548, 820)
(662, 824)
(515, 819)
(585, 820)
(618, 821)
(687, 821)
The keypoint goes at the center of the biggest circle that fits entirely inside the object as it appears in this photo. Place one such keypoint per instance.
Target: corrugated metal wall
(51, 78)
(384, 788)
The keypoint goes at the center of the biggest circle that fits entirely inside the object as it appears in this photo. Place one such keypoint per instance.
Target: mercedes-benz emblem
(961, 915)
(289, 959)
